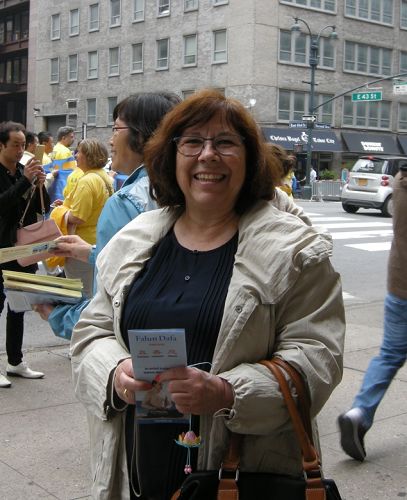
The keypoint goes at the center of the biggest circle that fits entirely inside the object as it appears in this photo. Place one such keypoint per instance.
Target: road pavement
(43, 432)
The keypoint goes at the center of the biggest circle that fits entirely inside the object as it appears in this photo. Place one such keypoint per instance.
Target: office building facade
(90, 54)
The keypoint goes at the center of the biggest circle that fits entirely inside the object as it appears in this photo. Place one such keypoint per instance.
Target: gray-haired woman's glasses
(225, 144)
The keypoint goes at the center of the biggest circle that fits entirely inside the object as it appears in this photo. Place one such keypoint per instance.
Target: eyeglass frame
(205, 139)
(115, 128)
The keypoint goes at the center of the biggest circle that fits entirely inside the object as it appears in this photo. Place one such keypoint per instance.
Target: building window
(115, 9)
(190, 50)
(191, 5)
(367, 59)
(114, 60)
(55, 27)
(366, 114)
(220, 2)
(54, 74)
(111, 104)
(403, 14)
(162, 53)
(138, 10)
(73, 68)
(328, 5)
(94, 17)
(137, 58)
(187, 93)
(220, 54)
(296, 49)
(370, 10)
(74, 22)
(14, 27)
(292, 105)
(93, 64)
(403, 63)
(91, 111)
(163, 7)
(402, 116)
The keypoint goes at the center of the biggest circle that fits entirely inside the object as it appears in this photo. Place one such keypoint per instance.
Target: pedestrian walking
(382, 369)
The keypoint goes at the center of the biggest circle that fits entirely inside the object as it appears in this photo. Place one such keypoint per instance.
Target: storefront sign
(289, 138)
(371, 143)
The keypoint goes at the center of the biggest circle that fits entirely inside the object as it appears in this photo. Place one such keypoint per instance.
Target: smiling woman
(244, 279)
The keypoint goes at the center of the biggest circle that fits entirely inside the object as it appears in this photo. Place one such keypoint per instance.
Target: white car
(370, 183)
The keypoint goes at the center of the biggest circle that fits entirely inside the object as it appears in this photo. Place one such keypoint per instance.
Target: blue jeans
(392, 356)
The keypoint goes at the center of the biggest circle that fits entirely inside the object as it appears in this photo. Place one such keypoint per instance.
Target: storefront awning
(288, 138)
(403, 143)
(371, 143)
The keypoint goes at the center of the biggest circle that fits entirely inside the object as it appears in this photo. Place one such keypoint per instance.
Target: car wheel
(351, 209)
(387, 208)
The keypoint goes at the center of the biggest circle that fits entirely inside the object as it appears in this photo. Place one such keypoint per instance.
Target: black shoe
(352, 433)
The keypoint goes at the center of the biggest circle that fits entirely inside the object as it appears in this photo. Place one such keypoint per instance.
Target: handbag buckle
(228, 472)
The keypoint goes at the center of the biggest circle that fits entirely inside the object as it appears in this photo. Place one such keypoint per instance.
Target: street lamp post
(313, 63)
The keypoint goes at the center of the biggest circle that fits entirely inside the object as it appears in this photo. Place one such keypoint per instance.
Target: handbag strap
(315, 489)
(32, 191)
(301, 421)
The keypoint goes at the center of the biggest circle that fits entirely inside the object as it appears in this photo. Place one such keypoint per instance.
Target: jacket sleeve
(63, 318)
(310, 326)
(10, 198)
(95, 352)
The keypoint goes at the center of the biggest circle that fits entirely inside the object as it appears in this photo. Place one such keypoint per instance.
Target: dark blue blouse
(178, 288)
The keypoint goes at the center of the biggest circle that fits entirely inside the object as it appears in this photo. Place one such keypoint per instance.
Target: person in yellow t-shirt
(85, 202)
(63, 162)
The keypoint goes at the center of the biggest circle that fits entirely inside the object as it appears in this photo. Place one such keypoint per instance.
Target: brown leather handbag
(229, 483)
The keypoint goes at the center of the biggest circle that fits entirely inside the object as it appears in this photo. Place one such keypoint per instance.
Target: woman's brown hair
(262, 171)
(95, 152)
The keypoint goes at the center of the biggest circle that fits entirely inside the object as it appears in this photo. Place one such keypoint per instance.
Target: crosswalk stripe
(330, 219)
(346, 225)
(372, 247)
(350, 235)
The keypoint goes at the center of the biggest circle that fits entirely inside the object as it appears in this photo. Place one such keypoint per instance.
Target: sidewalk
(44, 441)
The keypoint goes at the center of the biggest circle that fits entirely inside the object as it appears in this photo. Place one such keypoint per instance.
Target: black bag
(230, 484)
(252, 486)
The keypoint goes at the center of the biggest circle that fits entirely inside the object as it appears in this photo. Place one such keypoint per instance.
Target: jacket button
(239, 309)
(116, 303)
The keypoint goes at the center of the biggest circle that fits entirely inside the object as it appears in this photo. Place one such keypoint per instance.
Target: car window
(394, 167)
(371, 166)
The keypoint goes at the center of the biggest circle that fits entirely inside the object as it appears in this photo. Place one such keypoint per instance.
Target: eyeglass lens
(223, 144)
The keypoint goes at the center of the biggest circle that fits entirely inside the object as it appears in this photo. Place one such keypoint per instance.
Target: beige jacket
(284, 299)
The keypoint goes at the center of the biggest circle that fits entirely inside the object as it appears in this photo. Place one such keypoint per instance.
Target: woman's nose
(208, 149)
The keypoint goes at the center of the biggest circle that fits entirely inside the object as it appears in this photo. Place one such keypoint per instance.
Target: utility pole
(313, 63)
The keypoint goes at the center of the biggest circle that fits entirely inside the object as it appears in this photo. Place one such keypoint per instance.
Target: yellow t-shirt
(87, 200)
(72, 180)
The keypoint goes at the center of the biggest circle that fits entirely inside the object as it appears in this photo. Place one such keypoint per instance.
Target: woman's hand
(125, 384)
(197, 392)
(72, 246)
(44, 310)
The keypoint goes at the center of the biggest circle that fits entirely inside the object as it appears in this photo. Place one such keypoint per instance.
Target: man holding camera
(16, 181)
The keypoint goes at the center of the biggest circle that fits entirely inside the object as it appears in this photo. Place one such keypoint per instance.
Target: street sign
(400, 88)
(309, 118)
(367, 96)
(297, 124)
(322, 125)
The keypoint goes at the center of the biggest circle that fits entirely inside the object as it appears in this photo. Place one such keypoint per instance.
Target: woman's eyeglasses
(225, 144)
(115, 129)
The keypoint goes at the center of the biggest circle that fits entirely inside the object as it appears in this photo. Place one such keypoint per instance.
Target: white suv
(370, 184)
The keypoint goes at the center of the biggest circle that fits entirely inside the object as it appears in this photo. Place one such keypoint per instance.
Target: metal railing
(326, 190)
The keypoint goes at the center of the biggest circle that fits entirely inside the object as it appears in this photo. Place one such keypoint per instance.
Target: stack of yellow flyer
(23, 290)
